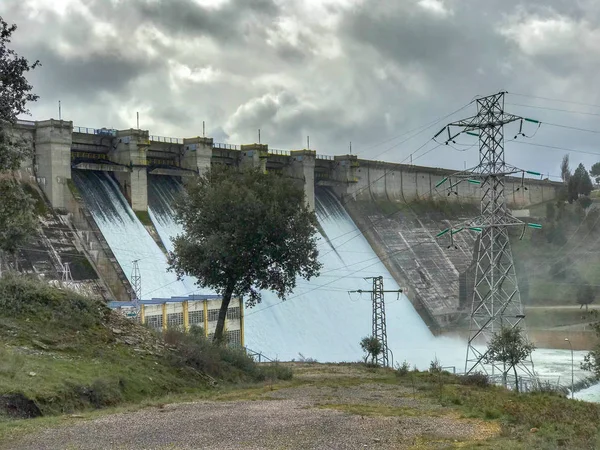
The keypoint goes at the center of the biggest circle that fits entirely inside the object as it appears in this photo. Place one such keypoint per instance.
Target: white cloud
(437, 7)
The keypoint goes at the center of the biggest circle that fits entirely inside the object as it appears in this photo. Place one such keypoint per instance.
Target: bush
(103, 393)
(372, 347)
(276, 371)
(435, 366)
(194, 351)
(403, 369)
(475, 379)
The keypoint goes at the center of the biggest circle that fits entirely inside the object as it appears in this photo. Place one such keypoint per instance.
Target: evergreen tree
(579, 184)
(595, 172)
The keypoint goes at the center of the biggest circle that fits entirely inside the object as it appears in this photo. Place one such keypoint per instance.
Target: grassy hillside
(61, 352)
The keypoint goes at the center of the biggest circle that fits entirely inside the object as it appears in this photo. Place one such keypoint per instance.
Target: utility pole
(379, 323)
(136, 284)
(496, 297)
(66, 277)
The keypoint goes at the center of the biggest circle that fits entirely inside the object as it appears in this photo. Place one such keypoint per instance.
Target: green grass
(560, 422)
(68, 353)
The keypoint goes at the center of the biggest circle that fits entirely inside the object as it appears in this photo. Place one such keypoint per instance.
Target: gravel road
(305, 417)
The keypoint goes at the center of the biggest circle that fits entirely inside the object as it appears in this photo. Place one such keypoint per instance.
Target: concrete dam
(112, 192)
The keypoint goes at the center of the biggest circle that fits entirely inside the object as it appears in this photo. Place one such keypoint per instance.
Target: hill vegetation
(61, 352)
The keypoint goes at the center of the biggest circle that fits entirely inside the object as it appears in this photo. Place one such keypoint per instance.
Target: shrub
(276, 371)
(194, 351)
(372, 347)
(103, 393)
(475, 379)
(435, 366)
(403, 369)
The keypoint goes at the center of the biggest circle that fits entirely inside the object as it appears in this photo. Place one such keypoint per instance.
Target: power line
(554, 109)
(340, 278)
(554, 99)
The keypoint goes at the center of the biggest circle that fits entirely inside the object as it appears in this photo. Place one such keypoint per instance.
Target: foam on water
(126, 235)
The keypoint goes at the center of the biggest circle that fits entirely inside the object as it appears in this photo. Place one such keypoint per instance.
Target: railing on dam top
(168, 140)
(226, 146)
(97, 131)
(27, 123)
(275, 151)
(327, 157)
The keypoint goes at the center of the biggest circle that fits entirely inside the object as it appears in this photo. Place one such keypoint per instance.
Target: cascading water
(126, 236)
(320, 319)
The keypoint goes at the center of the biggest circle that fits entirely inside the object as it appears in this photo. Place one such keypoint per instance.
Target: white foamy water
(126, 236)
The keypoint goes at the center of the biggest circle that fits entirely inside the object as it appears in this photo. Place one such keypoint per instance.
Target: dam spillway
(320, 319)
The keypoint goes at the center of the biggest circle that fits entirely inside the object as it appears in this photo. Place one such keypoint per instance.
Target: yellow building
(186, 312)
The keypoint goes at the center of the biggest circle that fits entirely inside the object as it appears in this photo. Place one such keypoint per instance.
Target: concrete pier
(197, 154)
(303, 168)
(53, 140)
(131, 150)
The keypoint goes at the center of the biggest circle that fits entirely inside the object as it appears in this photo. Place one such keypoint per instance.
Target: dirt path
(331, 415)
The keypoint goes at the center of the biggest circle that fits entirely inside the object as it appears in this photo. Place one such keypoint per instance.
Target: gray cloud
(361, 71)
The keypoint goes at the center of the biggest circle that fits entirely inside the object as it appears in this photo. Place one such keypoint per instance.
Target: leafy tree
(372, 347)
(591, 361)
(565, 171)
(510, 347)
(579, 184)
(595, 172)
(17, 221)
(585, 296)
(245, 231)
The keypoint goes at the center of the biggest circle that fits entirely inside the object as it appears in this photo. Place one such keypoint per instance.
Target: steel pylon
(136, 284)
(379, 324)
(496, 296)
(379, 329)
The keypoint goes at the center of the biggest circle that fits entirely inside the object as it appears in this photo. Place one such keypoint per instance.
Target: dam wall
(406, 183)
(133, 154)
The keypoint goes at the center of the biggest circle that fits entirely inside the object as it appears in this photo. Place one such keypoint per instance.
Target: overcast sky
(337, 70)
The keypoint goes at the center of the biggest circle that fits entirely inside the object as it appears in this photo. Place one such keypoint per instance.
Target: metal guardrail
(257, 356)
(97, 131)
(28, 123)
(84, 130)
(274, 151)
(327, 157)
(168, 140)
(226, 146)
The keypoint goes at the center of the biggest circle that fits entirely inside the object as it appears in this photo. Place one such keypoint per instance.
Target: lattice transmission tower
(496, 296)
(379, 330)
(136, 284)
